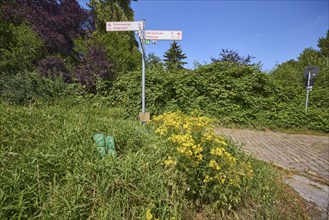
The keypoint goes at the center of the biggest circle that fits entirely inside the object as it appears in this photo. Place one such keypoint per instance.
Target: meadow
(50, 168)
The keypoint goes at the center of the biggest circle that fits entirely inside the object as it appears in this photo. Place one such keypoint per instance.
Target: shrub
(54, 67)
(234, 94)
(95, 71)
(20, 48)
(27, 87)
(213, 175)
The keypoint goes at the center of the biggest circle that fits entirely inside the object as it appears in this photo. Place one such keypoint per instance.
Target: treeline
(59, 40)
(54, 48)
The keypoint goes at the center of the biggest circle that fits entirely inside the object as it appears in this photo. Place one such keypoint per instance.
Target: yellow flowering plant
(214, 175)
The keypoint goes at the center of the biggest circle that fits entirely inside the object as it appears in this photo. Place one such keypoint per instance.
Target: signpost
(163, 35)
(310, 73)
(125, 26)
(144, 37)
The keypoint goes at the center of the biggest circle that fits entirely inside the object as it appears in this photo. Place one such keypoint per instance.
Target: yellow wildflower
(169, 163)
(148, 215)
(199, 157)
(213, 164)
(207, 179)
(182, 139)
(217, 151)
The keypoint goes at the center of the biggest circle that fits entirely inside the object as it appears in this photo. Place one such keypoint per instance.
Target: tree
(153, 60)
(174, 56)
(233, 56)
(57, 22)
(291, 74)
(111, 10)
(20, 48)
(323, 44)
(121, 48)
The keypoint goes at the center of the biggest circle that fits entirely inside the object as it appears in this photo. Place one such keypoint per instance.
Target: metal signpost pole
(143, 82)
(143, 116)
(143, 70)
(310, 73)
(144, 35)
(307, 89)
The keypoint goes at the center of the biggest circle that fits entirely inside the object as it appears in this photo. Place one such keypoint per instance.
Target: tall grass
(50, 169)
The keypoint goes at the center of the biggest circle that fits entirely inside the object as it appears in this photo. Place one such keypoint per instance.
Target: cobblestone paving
(306, 154)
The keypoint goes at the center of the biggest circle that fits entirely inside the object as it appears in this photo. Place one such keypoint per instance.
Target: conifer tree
(174, 57)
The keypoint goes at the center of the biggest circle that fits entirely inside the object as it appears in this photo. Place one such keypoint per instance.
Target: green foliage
(232, 93)
(126, 92)
(291, 76)
(19, 48)
(111, 10)
(29, 87)
(323, 44)
(290, 72)
(51, 167)
(174, 57)
(213, 175)
(152, 60)
(233, 56)
(120, 48)
(235, 93)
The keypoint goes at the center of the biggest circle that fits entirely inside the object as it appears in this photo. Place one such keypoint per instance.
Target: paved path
(305, 155)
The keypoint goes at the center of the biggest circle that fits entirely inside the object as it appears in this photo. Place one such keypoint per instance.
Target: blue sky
(271, 31)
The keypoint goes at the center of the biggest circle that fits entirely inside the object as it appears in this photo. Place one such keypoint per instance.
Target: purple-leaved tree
(94, 66)
(57, 22)
(52, 67)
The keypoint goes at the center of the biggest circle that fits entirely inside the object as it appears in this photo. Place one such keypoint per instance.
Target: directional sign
(145, 37)
(163, 35)
(313, 70)
(125, 26)
(310, 74)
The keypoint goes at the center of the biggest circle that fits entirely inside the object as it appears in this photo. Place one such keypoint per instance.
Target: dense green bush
(20, 47)
(27, 87)
(232, 93)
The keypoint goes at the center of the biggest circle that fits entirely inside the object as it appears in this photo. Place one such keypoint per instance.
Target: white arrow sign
(125, 26)
(163, 35)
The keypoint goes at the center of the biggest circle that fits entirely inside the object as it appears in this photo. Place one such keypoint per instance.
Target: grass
(50, 168)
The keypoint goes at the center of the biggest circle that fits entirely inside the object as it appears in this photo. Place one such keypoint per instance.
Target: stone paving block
(304, 154)
(311, 191)
(308, 151)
